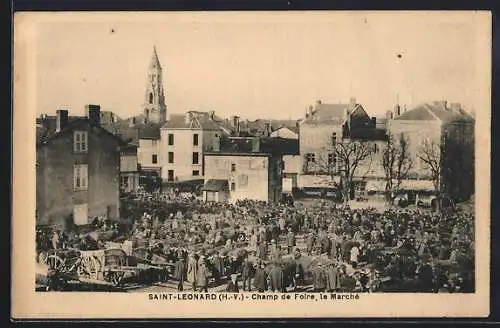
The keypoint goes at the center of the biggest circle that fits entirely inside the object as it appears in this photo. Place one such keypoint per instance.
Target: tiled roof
(45, 134)
(149, 131)
(276, 146)
(329, 111)
(324, 114)
(430, 112)
(368, 134)
(420, 113)
(46, 127)
(198, 121)
(215, 185)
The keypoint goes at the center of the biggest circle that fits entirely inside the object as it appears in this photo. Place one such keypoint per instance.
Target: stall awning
(215, 185)
(415, 185)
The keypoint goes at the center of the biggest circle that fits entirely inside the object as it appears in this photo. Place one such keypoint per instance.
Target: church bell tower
(154, 107)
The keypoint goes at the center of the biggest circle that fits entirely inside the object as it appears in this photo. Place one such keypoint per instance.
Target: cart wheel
(115, 278)
(54, 262)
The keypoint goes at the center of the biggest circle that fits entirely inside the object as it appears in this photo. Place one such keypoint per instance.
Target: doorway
(80, 214)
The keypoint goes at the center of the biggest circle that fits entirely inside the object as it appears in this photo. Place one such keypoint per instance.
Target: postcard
(300, 164)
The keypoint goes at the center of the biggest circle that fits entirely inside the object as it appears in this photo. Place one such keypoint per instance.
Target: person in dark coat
(332, 278)
(310, 243)
(260, 279)
(180, 273)
(276, 277)
(232, 284)
(275, 251)
(246, 273)
(202, 277)
(425, 276)
(319, 278)
(218, 267)
(262, 250)
(290, 238)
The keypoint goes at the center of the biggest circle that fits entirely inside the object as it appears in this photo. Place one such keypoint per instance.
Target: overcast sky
(269, 65)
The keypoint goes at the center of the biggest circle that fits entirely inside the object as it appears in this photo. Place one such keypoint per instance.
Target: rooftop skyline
(271, 65)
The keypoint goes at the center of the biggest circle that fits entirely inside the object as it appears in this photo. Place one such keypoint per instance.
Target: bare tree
(430, 153)
(397, 162)
(344, 158)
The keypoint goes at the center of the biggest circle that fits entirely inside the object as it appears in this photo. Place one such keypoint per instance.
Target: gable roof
(267, 145)
(431, 112)
(331, 113)
(293, 129)
(132, 133)
(199, 121)
(46, 135)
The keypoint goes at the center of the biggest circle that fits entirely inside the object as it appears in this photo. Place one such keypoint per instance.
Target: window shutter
(84, 141)
(84, 176)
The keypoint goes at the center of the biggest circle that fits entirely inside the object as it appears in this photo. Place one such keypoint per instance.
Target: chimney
(310, 112)
(93, 113)
(267, 131)
(397, 111)
(188, 117)
(374, 121)
(216, 144)
(255, 145)
(389, 115)
(318, 102)
(352, 103)
(235, 122)
(456, 107)
(61, 119)
(297, 124)
(131, 122)
(212, 115)
(441, 104)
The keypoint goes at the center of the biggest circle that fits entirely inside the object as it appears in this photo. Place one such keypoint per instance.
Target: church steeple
(155, 109)
(155, 62)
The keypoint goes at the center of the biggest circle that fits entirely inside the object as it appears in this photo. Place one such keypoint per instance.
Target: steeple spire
(154, 106)
(155, 62)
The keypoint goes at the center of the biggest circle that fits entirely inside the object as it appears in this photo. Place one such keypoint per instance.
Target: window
(233, 186)
(80, 177)
(243, 180)
(334, 139)
(310, 158)
(150, 97)
(124, 182)
(196, 158)
(170, 139)
(154, 159)
(170, 157)
(331, 159)
(195, 139)
(80, 143)
(196, 173)
(170, 175)
(375, 148)
(233, 167)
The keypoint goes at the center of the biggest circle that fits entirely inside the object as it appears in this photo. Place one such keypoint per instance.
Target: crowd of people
(256, 246)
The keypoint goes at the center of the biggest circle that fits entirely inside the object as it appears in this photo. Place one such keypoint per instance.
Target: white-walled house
(241, 168)
(184, 140)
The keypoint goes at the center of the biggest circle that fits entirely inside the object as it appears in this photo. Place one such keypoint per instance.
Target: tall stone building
(154, 107)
